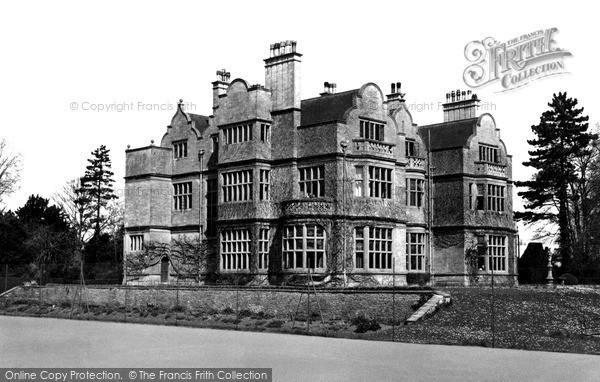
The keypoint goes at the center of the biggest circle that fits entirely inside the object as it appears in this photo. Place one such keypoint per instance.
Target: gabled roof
(327, 108)
(447, 135)
(201, 122)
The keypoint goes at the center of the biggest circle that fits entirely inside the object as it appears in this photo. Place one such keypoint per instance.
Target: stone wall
(276, 303)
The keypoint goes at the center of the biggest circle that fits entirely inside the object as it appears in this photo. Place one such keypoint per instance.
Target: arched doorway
(164, 270)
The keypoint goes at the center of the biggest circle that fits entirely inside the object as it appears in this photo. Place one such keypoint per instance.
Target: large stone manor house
(343, 188)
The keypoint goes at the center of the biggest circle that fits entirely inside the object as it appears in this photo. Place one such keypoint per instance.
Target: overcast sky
(60, 56)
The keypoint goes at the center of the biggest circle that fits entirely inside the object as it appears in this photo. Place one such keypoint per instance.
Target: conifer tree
(98, 184)
(554, 194)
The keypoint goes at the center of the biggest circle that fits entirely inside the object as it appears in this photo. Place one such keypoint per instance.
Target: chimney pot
(393, 88)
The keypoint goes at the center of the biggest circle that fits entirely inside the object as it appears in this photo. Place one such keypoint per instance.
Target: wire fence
(302, 308)
(26, 275)
(524, 317)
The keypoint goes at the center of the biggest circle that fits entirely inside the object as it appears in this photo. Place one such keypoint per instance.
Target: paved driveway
(46, 342)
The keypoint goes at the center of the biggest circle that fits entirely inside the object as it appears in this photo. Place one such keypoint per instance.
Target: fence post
(125, 306)
(393, 300)
(177, 302)
(308, 303)
(237, 300)
(5, 297)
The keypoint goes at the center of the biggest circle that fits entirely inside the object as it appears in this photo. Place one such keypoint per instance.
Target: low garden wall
(335, 304)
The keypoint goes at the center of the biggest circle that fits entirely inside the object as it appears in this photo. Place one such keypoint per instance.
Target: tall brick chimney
(220, 86)
(282, 75)
(396, 97)
(460, 105)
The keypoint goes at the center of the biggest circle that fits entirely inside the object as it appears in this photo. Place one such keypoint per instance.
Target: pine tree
(98, 184)
(555, 192)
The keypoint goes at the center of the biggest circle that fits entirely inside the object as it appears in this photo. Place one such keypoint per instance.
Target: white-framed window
(489, 154)
(304, 247)
(263, 248)
(496, 254)
(235, 249)
(264, 184)
(415, 251)
(373, 248)
(182, 196)
(359, 181)
(312, 181)
(380, 182)
(371, 130)
(495, 197)
(415, 192)
(237, 134)
(265, 132)
(412, 148)
(237, 186)
(180, 149)
(136, 242)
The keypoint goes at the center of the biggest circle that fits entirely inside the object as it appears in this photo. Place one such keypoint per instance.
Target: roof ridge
(329, 95)
(474, 119)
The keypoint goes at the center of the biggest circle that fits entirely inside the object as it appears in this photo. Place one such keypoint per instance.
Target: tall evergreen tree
(554, 193)
(98, 184)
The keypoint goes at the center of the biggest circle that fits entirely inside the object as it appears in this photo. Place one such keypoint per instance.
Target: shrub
(419, 278)
(228, 310)
(568, 279)
(275, 324)
(179, 308)
(364, 324)
(245, 313)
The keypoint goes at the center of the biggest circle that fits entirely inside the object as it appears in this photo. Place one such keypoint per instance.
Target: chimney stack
(282, 75)
(329, 88)
(220, 86)
(396, 97)
(460, 105)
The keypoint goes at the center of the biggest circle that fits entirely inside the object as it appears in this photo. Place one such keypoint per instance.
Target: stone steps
(433, 304)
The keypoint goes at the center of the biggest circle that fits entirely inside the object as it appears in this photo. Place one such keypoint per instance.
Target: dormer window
(180, 149)
(489, 154)
(371, 130)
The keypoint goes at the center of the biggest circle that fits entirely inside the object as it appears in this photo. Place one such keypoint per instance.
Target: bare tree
(10, 166)
(79, 212)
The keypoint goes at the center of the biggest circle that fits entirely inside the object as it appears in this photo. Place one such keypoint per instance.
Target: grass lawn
(563, 319)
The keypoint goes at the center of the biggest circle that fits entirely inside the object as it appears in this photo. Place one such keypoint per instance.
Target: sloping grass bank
(563, 319)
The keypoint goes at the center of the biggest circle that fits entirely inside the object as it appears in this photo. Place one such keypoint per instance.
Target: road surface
(46, 342)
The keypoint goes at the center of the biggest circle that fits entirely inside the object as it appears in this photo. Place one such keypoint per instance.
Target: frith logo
(515, 63)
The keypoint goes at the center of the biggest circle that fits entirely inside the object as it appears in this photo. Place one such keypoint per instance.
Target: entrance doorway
(164, 270)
